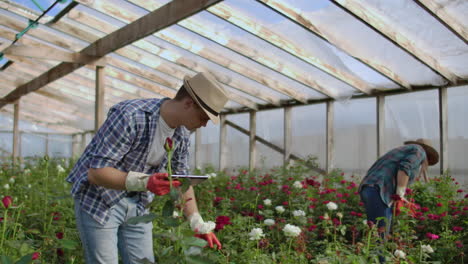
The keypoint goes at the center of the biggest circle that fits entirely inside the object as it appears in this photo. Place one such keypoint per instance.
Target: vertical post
(330, 137)
(16, 133)
(75, 145)
(198, 148)
(252, 145)
(83, 142)
(380, 125)
(222, 143)
(287, 137)
(443, 126)
(99, 101)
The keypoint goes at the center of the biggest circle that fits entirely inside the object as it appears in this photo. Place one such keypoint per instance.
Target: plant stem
(4, 227)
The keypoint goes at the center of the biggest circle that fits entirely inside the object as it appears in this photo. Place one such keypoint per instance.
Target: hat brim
(432, 154)
(213, 118)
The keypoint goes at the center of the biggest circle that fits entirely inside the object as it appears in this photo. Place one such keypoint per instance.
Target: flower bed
(285, 216)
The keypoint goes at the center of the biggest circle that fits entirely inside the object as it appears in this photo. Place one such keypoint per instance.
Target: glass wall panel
(411, 116)
(270, 126)
(192, 152)
(32, 145)
(210, 146)
(458, 134)
(6, 144)
(308, 131)
(237, 144)
(355, 146)
(60, 146)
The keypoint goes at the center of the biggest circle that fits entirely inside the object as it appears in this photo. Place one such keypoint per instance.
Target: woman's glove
(204, 229)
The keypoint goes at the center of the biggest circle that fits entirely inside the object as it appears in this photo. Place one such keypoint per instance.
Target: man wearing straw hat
(390, 175)
(120, 170)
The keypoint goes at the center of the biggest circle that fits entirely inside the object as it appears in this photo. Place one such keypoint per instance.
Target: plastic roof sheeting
(265, 53)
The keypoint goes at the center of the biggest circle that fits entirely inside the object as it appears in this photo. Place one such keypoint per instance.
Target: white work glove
(401, 191)
(199, 226)
(157, 183)
(136, 181)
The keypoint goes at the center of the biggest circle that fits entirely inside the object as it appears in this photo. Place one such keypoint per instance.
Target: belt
(132, 194)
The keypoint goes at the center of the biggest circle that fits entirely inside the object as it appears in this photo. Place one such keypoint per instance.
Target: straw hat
(207, 93)
(431, 153)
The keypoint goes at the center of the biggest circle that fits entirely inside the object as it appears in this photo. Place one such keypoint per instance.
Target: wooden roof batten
(438, 12)
(363, 14)
(299, 20)
(187, 63)
(161, 18)
(77, 30)
(270, 37)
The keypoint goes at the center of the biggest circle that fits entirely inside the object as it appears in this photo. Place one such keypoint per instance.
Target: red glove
(210, 238)
(412, 207)
(158, 183)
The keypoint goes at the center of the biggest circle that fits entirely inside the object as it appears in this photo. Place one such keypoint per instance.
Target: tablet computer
(194, 179)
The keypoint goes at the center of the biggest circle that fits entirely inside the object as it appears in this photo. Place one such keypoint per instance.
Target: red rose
(7, 200)
(168, 145)
(36, 255)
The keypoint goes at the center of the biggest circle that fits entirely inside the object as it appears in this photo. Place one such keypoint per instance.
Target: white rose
(12, 180)
(297, 185)
(60, 169)
(427, 249)
(279, 209)
(269, 222)
(332, 206)
(298, 213)
(175, 214)
(256, 234)
(399, 254)
(6, 186)
(340, 215)
(291, 230)
(267, 202)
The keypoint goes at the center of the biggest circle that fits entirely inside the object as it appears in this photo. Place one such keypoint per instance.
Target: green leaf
(194, 241)
(168, 209)
(141, 219)
(5, 260)
(174, 194)
(171, 221)
(198, 260)
(25, 259)
(68, 244)
(145, 261)
(185, 184)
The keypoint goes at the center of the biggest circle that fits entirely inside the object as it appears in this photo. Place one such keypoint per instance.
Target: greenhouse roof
(266, 53)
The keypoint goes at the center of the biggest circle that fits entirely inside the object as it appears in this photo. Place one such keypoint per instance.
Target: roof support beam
(16, 134)
(163, 17)
(47, 53)
(378, 23)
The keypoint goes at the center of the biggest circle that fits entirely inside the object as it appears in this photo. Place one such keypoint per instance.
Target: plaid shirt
(122, 143)
(383, 173)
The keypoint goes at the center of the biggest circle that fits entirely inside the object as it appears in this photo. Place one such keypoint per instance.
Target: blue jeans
(375, 208)
(103, 243)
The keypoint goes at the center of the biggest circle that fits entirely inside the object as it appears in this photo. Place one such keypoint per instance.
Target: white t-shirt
(156, 150)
